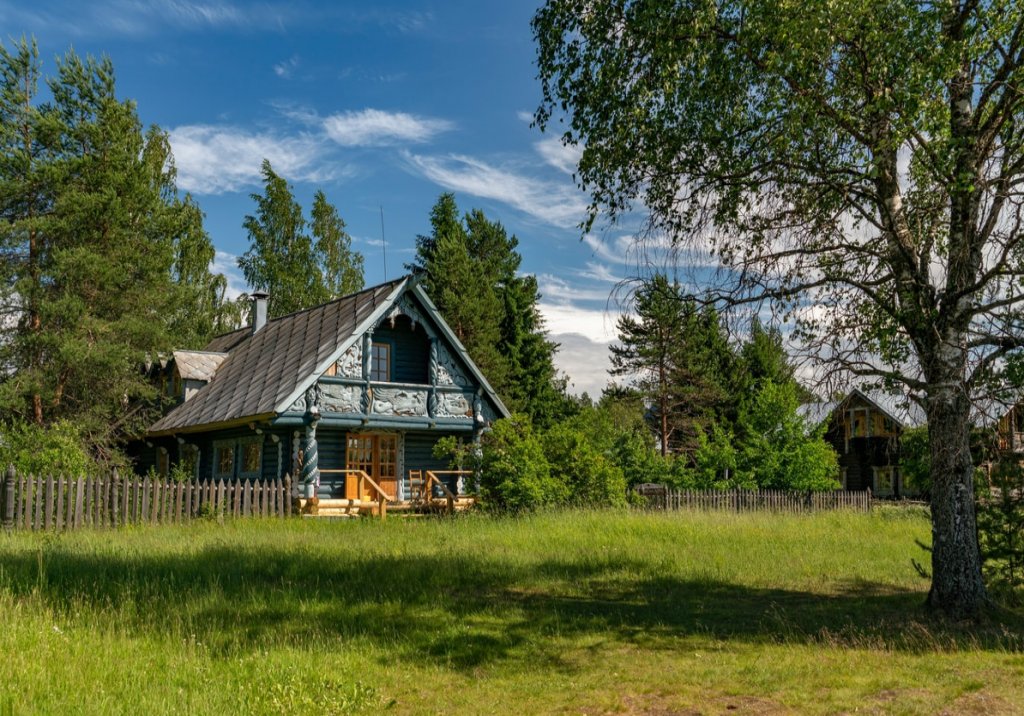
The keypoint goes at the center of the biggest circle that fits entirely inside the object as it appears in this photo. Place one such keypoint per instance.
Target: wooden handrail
(432, 478)
(362, 475)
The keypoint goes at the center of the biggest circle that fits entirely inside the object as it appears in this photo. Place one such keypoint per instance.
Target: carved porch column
(310, 462)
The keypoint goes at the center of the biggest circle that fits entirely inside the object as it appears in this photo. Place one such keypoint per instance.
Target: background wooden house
(865, 430)
(369, 382)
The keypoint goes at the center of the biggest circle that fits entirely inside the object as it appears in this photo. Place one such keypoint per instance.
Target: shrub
(779, 451)
(586, 475)
(514, 473)
(1001, 527)
(915, 460)
(57, 449)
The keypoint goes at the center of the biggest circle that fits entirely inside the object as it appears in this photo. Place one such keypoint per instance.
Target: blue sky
(380, 105)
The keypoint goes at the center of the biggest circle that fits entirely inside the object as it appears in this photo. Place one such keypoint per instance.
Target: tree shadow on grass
(464, 610)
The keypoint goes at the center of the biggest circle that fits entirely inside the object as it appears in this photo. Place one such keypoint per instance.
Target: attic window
(380, 362)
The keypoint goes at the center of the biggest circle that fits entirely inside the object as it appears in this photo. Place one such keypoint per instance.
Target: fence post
(288, 494)
(9, 478)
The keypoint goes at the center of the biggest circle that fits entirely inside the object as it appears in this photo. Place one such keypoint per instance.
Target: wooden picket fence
(660, 497)
(62, 503)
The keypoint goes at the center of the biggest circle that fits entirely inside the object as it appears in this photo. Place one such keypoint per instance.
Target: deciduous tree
(860, 162)
(285, 261)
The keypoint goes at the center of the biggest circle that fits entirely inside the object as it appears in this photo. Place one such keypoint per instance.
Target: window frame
(219, 445)
(242, 444)
(386, 347)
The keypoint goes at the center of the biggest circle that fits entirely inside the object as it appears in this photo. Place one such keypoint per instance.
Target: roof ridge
(347, 296)
(403, 277)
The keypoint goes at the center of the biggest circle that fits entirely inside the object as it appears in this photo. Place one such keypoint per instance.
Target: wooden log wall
(63, 503)
(659, 497)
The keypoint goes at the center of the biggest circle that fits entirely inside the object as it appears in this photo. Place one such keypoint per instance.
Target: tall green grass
(578, 611)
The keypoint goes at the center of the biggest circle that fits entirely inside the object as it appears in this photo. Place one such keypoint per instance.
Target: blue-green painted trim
(329, 420)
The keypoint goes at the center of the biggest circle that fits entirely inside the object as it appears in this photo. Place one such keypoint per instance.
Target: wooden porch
(428, 494)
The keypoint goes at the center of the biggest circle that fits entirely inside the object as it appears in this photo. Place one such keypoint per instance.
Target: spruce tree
(470, 270)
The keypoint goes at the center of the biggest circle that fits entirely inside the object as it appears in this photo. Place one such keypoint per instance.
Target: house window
(251, 450)
(188, 460)
(883, 480)
(224, 459)
(380, 362)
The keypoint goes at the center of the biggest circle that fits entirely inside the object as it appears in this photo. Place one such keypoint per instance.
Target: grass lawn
(586, 613)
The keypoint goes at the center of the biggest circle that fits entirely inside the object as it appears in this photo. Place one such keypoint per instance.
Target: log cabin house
(348, 398)
(865, 432)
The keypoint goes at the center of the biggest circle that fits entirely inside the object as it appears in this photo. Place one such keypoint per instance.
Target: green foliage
(589, 477)
(470, 271)
(777, 450)
(461, 454)
(342, 267)
(716, 463)
(514, 473)
(1001, 529)
(297, 270)
(57, 449)
(616, 428)
(915, 459)
(780, 452)
(102, 263)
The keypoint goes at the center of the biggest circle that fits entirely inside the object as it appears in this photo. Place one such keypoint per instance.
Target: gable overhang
(409, 284)
(450, 336)
(206, 427)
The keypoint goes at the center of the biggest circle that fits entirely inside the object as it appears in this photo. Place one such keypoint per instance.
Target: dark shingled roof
(262, 370)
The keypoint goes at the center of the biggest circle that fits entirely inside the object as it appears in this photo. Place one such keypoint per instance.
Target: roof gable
(905, 416)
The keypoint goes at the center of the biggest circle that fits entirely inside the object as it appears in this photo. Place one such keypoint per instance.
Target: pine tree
(90, 218)
(650, 351)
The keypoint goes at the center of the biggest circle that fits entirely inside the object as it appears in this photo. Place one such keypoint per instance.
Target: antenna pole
(383, 243)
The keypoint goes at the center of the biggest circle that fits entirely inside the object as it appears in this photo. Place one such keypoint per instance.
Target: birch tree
(858, 162)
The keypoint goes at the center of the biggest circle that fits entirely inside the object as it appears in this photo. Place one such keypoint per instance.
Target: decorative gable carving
(447, 370)
(350, 365)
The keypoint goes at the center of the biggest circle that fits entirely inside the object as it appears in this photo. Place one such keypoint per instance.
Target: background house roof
(264, 368)
(906, 414)
(198, 365)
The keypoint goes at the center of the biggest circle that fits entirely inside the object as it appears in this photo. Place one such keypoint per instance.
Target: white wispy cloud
(374, 127)
(218, 159)
(524, 116)
(285, 69)
(597, 272)
(557, 290)
(559, 204)
(564, 158)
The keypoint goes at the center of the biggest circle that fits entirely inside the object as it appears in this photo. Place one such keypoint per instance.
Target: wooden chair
(416, 483)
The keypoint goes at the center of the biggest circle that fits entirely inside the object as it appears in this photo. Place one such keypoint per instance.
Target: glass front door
(377, 456)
